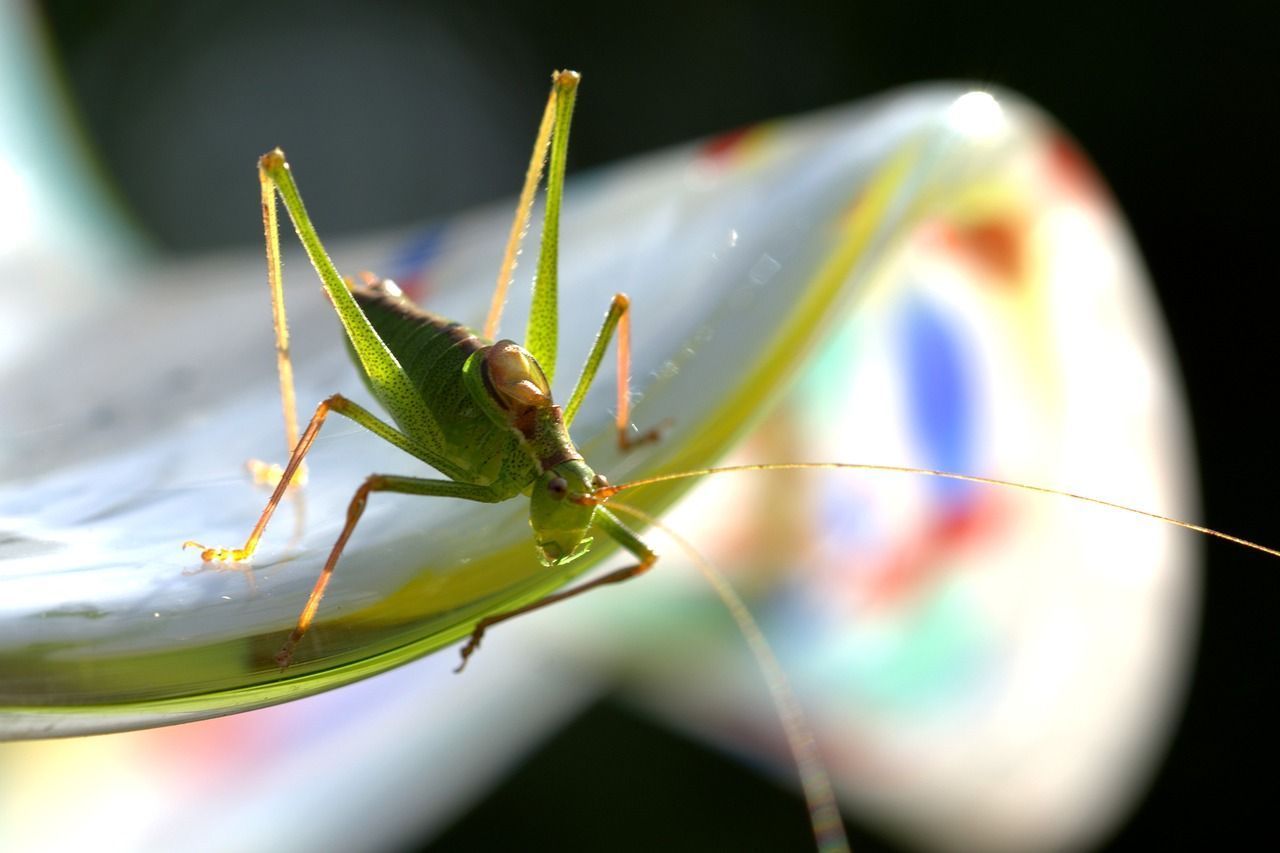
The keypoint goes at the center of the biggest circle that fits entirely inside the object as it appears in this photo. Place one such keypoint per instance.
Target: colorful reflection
(949, 641)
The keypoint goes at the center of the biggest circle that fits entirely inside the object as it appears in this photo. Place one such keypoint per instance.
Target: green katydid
(479, 412)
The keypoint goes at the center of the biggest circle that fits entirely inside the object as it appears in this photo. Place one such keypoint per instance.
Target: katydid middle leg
(376, 483)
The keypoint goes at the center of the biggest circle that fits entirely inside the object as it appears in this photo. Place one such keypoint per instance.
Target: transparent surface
(982, 670)
(124, 433)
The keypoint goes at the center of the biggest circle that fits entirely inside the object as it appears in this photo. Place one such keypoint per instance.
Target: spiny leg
(300, 449)
(375, 483)
(336, 403)
(542, 332)
(621, 534)
(263, 472)
(393, 388)
(520, 223)
(618, 318)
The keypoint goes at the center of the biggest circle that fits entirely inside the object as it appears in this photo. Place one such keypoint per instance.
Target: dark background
(408, 110)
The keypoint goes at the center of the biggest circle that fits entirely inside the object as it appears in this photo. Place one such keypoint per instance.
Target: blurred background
(404, 111)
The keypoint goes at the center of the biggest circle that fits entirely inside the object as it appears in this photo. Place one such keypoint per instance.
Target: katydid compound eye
(558, 487)
(599, 482)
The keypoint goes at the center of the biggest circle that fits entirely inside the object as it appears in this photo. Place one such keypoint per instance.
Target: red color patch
(1070, 167)
(721, 148)
(994, 246)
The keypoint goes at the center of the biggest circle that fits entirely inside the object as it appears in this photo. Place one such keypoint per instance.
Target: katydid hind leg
(375, 483)
(520, 223)
(617, 531)
(394, 389)
(541, 336)
(346, 408)
(263, 472)
(336, 403)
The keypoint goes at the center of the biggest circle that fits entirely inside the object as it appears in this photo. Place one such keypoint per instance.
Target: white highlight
(977, 115)
(15, 209)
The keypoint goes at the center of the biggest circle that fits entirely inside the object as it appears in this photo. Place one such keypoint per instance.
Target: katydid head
(507, 382)
(558, 513)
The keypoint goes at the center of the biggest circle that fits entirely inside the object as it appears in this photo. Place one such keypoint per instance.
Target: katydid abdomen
(433, 350)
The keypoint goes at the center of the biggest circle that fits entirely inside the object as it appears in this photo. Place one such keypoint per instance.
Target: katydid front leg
(617, 531)
(617, 319)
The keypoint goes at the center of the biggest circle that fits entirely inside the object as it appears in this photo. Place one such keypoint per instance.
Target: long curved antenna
(603, 494)
(824, 814)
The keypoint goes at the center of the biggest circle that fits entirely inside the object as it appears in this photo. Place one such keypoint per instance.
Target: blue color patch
(939, 390)
(416, 254)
